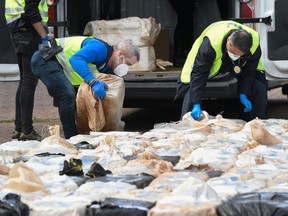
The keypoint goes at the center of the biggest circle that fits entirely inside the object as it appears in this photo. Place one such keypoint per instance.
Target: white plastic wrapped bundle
(143, 31)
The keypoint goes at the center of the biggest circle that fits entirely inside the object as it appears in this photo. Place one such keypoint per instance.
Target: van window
(277, 40)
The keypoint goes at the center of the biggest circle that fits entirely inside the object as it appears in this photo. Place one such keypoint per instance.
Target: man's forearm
(38, 26)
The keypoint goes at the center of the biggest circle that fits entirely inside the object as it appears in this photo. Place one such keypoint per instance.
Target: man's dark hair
(242, 40)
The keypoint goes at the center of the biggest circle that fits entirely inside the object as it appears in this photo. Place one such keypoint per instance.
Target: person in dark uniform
(26, 21)
(225, 46)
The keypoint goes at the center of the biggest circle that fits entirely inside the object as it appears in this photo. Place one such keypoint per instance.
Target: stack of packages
(143, 31)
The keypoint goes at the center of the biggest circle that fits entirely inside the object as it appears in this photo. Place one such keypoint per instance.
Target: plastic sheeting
(253, 181)
(256, 204)
(119, 207)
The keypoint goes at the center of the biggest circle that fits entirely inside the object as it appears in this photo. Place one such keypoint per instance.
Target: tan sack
(90, 115)
(23, 178)
(54, 144)
(112, 105)
(261, 135)
(113, 102)
(4, 169)
(143, 31)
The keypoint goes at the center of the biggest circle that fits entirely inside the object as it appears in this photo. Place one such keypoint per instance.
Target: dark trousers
(258, 99)
(25, 44)
(52, 75)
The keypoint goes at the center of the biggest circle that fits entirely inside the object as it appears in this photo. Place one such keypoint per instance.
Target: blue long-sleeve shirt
(92, 51)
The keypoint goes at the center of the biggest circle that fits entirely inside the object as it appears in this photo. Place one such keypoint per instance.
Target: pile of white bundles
(212, 167)
(143, 31)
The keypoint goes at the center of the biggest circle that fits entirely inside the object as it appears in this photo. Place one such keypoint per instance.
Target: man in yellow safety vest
(80, 58)
(225, 46)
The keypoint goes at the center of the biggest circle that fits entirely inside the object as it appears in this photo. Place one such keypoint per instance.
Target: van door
(273, 34)
(9, 70)
(274, 38)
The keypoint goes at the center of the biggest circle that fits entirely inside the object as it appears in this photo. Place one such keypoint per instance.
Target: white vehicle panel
(275, 68)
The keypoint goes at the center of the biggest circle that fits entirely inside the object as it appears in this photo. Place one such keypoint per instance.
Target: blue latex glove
(49, 48)
(99, 89)
(44, 40)
(196, 111)
(246, 103)
(44, 45)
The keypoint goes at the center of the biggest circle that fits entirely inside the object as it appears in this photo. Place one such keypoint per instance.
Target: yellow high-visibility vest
(14, 9)
(216, 33)
(70, 46)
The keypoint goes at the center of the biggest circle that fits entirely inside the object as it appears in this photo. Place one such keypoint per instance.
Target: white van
(268, 17)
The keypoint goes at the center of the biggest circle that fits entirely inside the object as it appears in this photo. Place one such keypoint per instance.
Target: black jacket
(32, 14)
(204, 60)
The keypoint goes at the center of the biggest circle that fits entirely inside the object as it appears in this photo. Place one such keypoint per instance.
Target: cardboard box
(161, 45)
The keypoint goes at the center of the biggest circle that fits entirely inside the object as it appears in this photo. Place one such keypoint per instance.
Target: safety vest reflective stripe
(15, 16)
(14, 9)
(216, 41)
(70, 46)
(62, 59)
(43, 9)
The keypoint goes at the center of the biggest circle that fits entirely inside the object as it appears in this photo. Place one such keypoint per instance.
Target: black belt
(22, 29)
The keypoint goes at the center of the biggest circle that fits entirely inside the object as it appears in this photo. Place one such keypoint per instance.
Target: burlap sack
(143, 31)
(107, 114)
(53, 144)
(90, 115)
(113, 102)
(23, 179)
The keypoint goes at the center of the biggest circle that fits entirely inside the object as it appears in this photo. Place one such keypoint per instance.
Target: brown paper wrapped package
(97, 115)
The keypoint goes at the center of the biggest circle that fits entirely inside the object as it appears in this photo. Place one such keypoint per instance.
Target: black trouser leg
(18, 123)
(259, 100)
(187, 104)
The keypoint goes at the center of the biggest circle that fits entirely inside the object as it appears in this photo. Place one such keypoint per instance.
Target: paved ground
(44, 112)
(46, 115)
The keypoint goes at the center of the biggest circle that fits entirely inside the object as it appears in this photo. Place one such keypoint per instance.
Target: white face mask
(121, 69)
(233, 56)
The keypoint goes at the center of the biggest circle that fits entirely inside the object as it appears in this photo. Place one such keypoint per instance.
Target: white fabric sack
(143, 31)
(90, 114)
(113, 102)
(111, 109)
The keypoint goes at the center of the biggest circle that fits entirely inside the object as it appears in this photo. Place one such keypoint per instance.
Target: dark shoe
(16, 135)
(96, 170)
(32, 136)
(72, 168)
